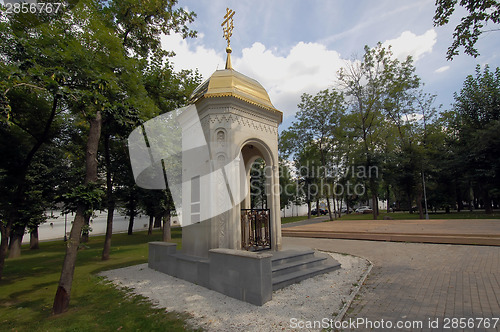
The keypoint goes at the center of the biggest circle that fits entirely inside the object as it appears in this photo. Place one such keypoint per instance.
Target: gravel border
(324, 296)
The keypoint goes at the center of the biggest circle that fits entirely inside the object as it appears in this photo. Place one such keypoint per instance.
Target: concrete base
(243, 275)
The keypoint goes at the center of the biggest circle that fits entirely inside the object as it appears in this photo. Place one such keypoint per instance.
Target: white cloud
(307, 68)
(205, 59)
(442, 69)
(409, 43)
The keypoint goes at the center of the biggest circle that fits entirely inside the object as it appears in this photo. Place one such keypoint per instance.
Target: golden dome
(230, 83)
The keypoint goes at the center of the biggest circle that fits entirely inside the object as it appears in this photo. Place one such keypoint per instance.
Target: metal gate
(255, 229)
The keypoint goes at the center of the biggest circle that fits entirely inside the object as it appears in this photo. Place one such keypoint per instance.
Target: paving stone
(421, 281)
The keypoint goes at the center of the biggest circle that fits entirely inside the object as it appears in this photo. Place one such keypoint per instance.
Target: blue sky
(297, 46)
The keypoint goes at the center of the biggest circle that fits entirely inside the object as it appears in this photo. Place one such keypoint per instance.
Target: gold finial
(228, 32)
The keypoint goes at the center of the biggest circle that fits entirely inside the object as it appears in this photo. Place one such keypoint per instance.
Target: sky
(293, 47)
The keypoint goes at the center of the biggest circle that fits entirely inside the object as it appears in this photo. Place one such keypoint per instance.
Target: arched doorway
(260, 219)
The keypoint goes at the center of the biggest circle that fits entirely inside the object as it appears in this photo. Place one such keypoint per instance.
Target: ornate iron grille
(255, 229)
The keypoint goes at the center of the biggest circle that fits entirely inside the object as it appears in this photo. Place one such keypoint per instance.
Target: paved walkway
(413, 282)
(455, 231)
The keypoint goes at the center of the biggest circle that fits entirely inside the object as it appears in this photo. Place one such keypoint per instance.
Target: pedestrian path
(427, 283)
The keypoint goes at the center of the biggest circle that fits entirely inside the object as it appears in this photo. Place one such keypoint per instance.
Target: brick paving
(418, 282)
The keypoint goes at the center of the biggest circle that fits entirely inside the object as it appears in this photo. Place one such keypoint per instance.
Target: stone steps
(290, 267)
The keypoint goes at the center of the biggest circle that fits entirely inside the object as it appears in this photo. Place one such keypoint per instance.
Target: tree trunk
(110, 201)
(167, 232)
(61, 300)
(15, 245)
(460, 203)
(34, 243)
(151, 221)
(157, 223)
(375, 206)
(85, 230)
(158, 219)
(388, 200)
(410, 202)
(419, 205)
(487, 202)
(308, 209)
(109, 231)
(4, 244)
(334, 208)
(329, 208)
(16, 239)
(131, 223)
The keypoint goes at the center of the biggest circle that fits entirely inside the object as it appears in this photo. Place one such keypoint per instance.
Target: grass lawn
(30, 282)
(287, 220)
(438, 215)
(406, 215)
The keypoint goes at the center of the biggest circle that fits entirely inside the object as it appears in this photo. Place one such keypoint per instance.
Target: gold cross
(228, 29)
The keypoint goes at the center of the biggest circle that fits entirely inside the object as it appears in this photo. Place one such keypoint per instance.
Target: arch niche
(251, 151)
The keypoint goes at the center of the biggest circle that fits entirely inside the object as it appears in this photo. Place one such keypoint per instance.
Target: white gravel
(323, 296)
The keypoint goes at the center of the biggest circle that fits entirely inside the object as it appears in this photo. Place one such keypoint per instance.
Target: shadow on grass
(117, 266)
(31, 282)
(34, 287)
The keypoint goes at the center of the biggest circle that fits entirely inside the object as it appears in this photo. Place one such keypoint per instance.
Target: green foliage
(140, 23)
(467, 33)
(313, 140)
(474, 123)
(90, 195)
(57, 72)
(390, 123)
(258, 192)
(289, 189)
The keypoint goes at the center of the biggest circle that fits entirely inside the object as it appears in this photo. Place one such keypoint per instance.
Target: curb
(356, 290)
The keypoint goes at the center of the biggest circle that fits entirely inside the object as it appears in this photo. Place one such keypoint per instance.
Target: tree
(31, 101)
(365, 84)
(288, 187)
(110, 31)
(258, 195)
(385, 100)
(168, 90)
(471, 27)
(317, 125)
(477, 117)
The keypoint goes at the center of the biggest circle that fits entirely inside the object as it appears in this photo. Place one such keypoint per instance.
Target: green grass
(287, 220)
(406, 215)
(438, 215)
(30, 282)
